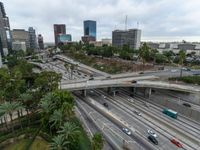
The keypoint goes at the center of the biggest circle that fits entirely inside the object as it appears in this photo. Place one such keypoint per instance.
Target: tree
(70, 132)
(144, 53)
(8, 108)
(47, 81)
(182, 56)
(58, 143)
(97, 142)
(56, 119)
(47, 108)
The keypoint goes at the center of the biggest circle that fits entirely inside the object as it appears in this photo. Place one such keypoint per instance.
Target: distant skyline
(163, 20)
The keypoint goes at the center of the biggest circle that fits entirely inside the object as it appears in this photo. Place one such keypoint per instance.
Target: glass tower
(90, 28)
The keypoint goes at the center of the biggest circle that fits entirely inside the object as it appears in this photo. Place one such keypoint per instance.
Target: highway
(121, 113)
(121, 103)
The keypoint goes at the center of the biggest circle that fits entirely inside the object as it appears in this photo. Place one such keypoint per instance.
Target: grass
(38, 144)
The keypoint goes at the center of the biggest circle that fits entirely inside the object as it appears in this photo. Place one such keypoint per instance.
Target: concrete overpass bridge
(133, 82)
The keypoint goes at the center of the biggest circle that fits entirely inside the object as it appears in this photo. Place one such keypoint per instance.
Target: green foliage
(160, 58)
(97, 142)
(188, 79)
(47, 81)
(59, 143)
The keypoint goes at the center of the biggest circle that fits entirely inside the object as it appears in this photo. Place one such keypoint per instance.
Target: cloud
(163, 18)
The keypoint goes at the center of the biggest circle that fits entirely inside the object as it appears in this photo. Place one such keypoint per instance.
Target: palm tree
(70, 131)
(8, 108)
(58, 143)
(144, 53)
(68, 109)
(46, 106)
(97, 142)
(67, 66)
(56, 119)
(26, 99)
(182, 56)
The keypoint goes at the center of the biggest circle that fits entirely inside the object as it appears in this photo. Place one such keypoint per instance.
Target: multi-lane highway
(135, 114)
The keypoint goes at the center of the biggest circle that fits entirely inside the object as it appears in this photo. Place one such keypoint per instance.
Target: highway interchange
(133, 113)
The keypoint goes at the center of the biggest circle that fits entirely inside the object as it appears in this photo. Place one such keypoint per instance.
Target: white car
(150, 132)
(125, 130)
(173, 70)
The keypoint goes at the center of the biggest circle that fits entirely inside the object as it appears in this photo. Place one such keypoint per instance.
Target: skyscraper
(89, 31)
(40, 42)
(20, 35)
(132, 37)
(4, 32)
(32, 38)
(59, 29)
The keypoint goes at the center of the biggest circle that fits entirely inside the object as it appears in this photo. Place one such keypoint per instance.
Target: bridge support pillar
(147, 92)
(114, 93)
(109, 90)
(84, 93)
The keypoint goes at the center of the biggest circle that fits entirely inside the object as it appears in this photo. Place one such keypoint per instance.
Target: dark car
(133, 81)
(141, 72)
(186, 104)
(153, 139)
(105, 104)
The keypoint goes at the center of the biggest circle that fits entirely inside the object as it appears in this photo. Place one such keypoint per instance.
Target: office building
(32, 38)
(5, 38)
(21, 35)
(59, 29)
(132, 37)
(19, 45)
(89, 31)
(64, 38)
(40, 41)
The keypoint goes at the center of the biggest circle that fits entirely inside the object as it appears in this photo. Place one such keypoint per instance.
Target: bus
(170, 113)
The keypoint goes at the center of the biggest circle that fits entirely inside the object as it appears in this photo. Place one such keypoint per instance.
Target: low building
(107, 42)
(88, 39)
(64, 38)
(18, 45)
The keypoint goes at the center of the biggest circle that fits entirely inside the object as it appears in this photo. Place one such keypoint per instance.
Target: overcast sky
(160, 20)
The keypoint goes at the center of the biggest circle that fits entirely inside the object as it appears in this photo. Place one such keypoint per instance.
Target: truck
(170, 113)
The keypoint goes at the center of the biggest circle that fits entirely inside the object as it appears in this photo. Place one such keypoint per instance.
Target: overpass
(142, 81)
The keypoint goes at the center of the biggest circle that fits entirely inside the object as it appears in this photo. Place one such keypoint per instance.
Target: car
(125, 130)
(150, 132)
(174, 70)
(138, 113)
(153, 139)
(141, 73)
(133, 81)
(177, 143)
(103, 96)
(105, 104)
(91, 78)
(186, 104)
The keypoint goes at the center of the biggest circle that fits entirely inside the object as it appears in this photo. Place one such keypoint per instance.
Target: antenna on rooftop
(126, 22)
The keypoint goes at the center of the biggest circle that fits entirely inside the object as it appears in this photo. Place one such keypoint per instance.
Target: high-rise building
(89, 31)
(59, 29)
(40, 41)
(132, 37)
(32, 38)
(4, 32)
(21, 35)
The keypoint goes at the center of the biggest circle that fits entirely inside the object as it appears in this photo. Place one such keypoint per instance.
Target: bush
(188, 79)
